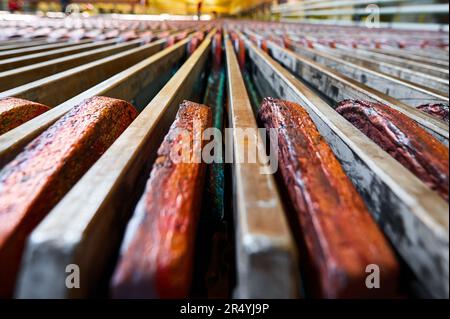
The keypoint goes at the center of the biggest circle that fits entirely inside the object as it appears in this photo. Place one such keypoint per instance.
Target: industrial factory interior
(224, 150)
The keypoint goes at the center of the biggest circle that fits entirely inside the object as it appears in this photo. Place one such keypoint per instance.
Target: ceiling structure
(221, 7)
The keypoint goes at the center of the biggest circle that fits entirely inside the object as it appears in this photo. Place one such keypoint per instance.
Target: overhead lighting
(165, 16)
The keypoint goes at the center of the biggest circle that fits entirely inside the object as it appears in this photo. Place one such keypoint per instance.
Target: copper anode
(437, 110)
(15, 111)
(47, 168)
(340, 235)
(158, 261)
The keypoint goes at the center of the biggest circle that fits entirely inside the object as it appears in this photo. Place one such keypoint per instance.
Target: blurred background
(331, 11)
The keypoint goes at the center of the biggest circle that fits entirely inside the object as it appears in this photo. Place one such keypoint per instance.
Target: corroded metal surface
(48, 167)
(157, 259)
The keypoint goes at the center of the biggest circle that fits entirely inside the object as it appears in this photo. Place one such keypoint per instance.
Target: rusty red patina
(340, 235)
(438, 110)
(15, 111)
(48, 167)
(192, 45)
(158, 261)
(403, 139)
(241, 52)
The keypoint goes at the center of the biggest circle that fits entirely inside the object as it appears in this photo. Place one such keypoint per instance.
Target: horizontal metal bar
(12, 142)
(441, 55)
(430, 81)
(406, 61)
(338, 87)
(305, 5)
(40, 48)
(20, 45)
(23, 60)
(19, 76)
(438, 80)
(404, 91)
(410, 9)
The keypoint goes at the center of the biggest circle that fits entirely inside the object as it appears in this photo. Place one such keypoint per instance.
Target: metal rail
(404, 91)
(338, 87)
(41, 48)
(59, 87)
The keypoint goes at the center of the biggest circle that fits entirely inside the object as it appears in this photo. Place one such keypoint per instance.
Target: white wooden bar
(432, 54)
